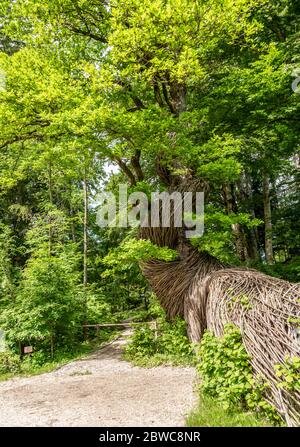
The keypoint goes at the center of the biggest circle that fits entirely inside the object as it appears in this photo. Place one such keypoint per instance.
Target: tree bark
(71, 214)
(237, 231)
(85, 229)
(251, 234)
(50, 189)
(268, 220)
(85, 247)
(135, 163)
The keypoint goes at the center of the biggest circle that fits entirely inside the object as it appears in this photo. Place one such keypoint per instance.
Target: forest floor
(100, 390)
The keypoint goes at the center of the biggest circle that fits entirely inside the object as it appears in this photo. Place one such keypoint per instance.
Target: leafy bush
(218, 239)
(289, 271)
(167, 343)
(142, 343)
(173, 339)
(98, 310)
(9, 363)
(48, 305)
(133, 250)
(289, 373)
(227, 376)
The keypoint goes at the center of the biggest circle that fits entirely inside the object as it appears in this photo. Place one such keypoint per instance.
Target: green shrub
(9, 363)
(142, 343)
(289, 271)
(48, 305)
(168, 343)
(289, 373)
(227, 376)
(98, 310)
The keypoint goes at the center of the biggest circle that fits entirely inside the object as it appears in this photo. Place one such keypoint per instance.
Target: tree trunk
(239, 238)
(85, 230)
(268, 220)
(85, 246)
(251, 234)
(50, 190)
(73, 229)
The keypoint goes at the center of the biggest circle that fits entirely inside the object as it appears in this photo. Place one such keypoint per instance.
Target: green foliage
(226, 374)
(204, 87)
(289, 373)
(210, 413)
(142, 343)
(9, 363)
(8, 273)
(169, 33)
(218, 239)
(97, 308)
(48, 304)
(218, 159)
(133, 250)
(287, 270)
(165, 343)
(41, 361)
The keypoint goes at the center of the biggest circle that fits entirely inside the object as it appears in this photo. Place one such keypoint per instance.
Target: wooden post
(155, 330)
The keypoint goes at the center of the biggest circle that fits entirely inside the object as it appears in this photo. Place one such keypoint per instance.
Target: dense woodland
(153, 93)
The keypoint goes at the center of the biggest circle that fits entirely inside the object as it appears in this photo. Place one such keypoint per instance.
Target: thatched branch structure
(209, 295)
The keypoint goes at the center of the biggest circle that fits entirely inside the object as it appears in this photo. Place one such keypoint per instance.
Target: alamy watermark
(296, 82)
(179, 210)
(296, 85)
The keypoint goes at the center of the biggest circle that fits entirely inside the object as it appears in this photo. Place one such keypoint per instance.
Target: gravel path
(101, 390)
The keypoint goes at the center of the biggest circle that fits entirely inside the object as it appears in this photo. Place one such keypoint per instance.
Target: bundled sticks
(266, 309)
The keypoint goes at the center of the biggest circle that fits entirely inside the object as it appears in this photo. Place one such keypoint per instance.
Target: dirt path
(101, 390)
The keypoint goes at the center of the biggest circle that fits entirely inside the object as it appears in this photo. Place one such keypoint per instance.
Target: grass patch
(159, 360)
(211, 414)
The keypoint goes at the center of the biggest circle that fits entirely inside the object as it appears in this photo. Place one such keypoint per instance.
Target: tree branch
(157, 94)
(135, 163)
(127, 171)
(85, 33)
(167, 99)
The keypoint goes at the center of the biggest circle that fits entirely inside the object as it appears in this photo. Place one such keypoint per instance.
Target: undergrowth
(210, 413)
(226, 376)
(40, 362)
(167, 343)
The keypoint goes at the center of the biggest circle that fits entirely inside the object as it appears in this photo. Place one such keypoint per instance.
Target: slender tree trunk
(50, 189)
(71, 212)
(85, 245)
(253, 243)
(73, 231)
(237, 231)
(268, 220)
(252, 233)
(85, 230)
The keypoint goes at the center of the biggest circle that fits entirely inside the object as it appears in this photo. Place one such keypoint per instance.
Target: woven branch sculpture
(266, 309)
